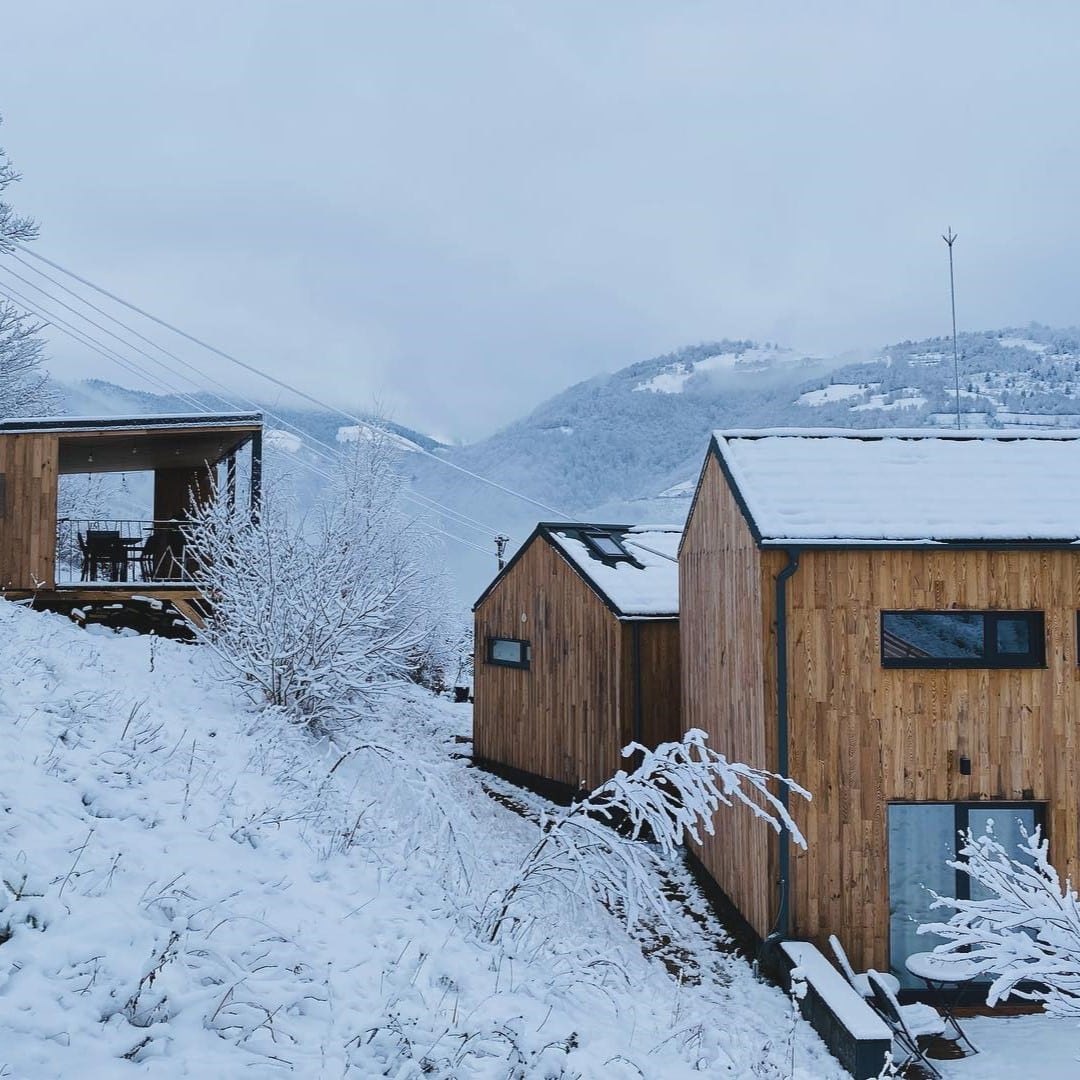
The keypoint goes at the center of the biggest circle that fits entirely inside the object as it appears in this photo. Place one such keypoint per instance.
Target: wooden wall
(863, 735)
(725, 614)
(661, 705)
(560, 719)
(568, 717)
(28, 464)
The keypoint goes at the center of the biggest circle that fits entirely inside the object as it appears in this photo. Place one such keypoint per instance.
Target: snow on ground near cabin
(649, 589)
(189, 889)
(835, 392)
(1018, 1048)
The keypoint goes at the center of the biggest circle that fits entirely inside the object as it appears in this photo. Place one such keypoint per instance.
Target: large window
(922, 840)
(962, 639)
(509, 652)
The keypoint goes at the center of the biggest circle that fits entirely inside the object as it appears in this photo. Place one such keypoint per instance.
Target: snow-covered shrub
(1025, 929)
(674, 793)
(319, 614)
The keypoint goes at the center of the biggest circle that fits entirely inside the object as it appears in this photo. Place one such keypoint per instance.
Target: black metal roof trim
(30, 424)
(545, 529)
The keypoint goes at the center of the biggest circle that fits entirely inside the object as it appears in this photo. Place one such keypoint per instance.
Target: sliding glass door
(922, 839)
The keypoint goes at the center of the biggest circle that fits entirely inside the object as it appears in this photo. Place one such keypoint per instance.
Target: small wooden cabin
(577, 654)
(891, 619)
(62, 564)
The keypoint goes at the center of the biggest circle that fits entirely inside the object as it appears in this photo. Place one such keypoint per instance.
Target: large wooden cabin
(53, 562)
(577, 654)
(891, 619)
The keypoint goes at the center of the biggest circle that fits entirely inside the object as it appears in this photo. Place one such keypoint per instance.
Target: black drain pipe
(782, 927)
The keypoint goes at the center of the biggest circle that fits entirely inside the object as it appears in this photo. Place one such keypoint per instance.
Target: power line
(137, 369)
(65, 327)
(129, 365)
(279, 382)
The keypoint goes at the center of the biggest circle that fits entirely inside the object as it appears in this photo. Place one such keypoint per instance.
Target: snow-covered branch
(1024, 932)
(673, 793)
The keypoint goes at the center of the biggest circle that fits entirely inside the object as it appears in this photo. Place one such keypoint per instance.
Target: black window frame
(592, 539)
(526, 652)
(972, 991)
(991, 658)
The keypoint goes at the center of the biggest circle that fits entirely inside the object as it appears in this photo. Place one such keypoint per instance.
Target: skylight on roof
(606, 545)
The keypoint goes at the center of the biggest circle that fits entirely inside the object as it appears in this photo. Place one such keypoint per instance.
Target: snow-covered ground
(190, 888)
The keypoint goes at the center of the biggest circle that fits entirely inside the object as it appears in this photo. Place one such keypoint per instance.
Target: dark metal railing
(111, 550)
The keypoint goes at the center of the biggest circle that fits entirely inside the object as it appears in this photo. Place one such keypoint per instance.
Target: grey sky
(461, 207)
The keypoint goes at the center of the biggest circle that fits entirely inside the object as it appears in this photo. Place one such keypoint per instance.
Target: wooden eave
(135, 444)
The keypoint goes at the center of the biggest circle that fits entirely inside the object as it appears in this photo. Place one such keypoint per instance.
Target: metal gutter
(635, 666)
(783, 915)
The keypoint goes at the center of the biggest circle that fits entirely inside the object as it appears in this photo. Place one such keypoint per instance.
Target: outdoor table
(938, 970)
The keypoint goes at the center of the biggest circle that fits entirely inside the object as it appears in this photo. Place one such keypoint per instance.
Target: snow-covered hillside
(190, 887)
(626, 447)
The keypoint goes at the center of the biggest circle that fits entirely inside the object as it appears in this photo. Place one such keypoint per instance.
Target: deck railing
(110, 550)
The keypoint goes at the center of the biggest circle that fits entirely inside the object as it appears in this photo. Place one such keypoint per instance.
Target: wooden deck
(182, 597)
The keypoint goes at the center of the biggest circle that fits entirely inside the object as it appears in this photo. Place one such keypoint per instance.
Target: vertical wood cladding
(863, 735)
(28, 523)
(724, 627)
(568, 716)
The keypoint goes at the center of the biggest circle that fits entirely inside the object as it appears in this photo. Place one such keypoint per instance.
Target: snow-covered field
(190, 888)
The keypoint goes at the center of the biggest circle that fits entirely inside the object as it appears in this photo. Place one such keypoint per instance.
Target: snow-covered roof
(634, 569)
(644, 583)
(898, 486)
(17, 425)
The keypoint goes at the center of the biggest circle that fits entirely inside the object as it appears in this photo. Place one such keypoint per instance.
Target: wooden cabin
(577, 654)
(891, 619)
(67, 565)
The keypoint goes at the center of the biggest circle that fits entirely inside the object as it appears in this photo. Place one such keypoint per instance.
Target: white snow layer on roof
(649, 590)
(907, 488)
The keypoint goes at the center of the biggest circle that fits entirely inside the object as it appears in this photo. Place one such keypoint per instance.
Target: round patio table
(939, 970)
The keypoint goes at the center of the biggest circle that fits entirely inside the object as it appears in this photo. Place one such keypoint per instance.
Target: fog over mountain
(628, 446)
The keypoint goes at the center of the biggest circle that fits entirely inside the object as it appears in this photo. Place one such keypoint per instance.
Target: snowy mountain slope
(627, 446)
(189, 887)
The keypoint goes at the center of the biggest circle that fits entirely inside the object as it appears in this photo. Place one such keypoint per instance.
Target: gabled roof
(898, 487)
(632, 568)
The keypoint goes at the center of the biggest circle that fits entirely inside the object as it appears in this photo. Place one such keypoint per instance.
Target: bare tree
(13, 228)
(23, 384)
(320, 615)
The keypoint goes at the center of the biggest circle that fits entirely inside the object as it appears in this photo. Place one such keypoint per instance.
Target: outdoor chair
(858, 980)
(160, 558)
(909, 1023)
(104, 557)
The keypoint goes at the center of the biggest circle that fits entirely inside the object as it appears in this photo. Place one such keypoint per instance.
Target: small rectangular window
(958, 639)
(509, 652)
(605, 544)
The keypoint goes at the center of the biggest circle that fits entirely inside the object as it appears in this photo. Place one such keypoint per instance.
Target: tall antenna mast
(950, 238)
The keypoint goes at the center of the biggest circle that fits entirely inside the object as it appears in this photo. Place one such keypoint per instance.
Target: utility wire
(65, 327)
(129, 365)
(412, 497)
(307, 436)
(276, 381)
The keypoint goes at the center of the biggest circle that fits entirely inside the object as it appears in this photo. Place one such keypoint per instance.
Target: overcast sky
(458, 208)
